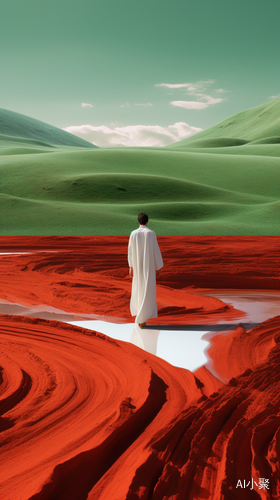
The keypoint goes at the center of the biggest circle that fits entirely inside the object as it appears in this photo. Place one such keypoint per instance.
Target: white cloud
(191, 87)
(176, 85)
(86, 105)
(274, 96)
(146, 104)
(134, 135)
(195, 89)
(220, 91)
(125, 105)
(208, 98)
(190, 104)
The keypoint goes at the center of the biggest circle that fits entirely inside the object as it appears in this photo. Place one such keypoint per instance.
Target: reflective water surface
(180, 347)
(258, 305)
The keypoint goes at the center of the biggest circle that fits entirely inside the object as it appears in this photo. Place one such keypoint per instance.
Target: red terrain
(90, 274)
(87, 417)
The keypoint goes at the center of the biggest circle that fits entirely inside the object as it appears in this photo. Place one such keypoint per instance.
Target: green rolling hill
(223, 184)
(259, 125)
(18, 129)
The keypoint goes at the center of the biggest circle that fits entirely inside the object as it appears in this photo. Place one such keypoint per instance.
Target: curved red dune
(83, 416)
(87, 417)
(72, 397)
(234, 352)
(89, 275)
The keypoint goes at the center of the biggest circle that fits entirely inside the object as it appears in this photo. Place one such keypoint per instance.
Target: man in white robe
(144, 259)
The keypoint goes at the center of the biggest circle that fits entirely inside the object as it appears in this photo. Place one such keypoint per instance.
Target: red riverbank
(90, 274)
(75, 426)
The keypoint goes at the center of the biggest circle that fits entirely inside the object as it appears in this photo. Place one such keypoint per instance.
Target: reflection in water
(259, 305)
(14, 253)
(182, 347)
(48, 312)
(146, 339)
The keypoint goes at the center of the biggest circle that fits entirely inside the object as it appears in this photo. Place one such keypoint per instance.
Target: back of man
(145, 259)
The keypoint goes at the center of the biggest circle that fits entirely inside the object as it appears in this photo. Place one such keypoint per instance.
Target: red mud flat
(85, 417)
(90, 274)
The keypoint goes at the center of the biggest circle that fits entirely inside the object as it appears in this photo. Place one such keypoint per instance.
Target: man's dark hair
(143, 218)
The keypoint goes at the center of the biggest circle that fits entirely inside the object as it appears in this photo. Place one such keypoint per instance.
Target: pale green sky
(59, 54)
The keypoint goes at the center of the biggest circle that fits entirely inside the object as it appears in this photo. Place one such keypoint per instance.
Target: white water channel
(185, 348)
(180, 347)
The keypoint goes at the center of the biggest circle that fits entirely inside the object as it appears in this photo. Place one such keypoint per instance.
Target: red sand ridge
(89, 275)
(75, 426)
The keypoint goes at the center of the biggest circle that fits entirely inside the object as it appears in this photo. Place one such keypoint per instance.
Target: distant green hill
(212, 186)
(15, 127)
(261, 124)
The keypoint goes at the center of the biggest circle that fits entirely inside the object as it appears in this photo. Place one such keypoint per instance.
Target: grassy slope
(102, 191)
(250, 149)
(256, 124)
(232, 189)
(15, 126)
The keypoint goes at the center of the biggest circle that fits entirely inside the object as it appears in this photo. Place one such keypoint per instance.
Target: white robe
(145, 258)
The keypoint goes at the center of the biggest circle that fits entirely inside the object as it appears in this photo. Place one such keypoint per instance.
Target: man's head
(143, 219)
